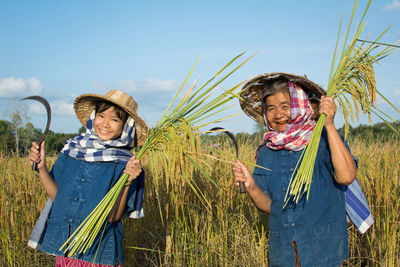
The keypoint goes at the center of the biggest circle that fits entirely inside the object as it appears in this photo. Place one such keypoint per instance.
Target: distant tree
(28, 134)
(51, 142)
(259, 131)
(18, 117)
(54, 142)
(82, 129)
(368, 133)
(259, 128)
(6, 144)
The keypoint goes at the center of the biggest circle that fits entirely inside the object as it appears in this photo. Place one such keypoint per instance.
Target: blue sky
(61, 49)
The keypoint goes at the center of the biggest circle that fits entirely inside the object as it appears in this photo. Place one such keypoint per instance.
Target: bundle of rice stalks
(351, 80)
(173, 134)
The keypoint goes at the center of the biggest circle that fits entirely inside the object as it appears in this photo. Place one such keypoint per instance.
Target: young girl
(86, 169)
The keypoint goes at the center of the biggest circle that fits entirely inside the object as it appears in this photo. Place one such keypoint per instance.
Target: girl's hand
(38, 156)
(328, 107)
(133, 168)
(242, 174)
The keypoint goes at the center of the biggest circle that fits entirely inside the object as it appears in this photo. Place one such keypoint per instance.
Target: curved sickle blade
(48, 110)
(228, 133)
(242, 188)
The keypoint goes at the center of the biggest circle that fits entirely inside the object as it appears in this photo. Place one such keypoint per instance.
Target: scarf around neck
(88, 147)
(298, 129)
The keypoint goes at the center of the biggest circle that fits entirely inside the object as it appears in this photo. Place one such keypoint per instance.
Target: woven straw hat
(85, 104)
(253, 92)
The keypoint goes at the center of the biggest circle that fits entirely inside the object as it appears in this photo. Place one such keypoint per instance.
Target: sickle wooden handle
(34, 166)
(242, 188)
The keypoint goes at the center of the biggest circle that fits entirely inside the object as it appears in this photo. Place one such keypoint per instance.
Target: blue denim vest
(317, 225)
(81, 186)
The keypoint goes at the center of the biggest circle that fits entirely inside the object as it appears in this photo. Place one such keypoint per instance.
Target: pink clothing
(69, 262)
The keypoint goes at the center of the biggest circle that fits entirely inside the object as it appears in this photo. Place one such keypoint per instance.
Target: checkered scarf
(88, 147)
(298, 129)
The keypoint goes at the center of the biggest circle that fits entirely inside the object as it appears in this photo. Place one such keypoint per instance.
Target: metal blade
(48, 110)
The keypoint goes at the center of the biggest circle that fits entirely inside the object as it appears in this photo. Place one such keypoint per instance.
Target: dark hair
(104, 105)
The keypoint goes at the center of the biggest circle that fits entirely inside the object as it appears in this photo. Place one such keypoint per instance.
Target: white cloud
(147, 85)
(35, 85)
(392, 6)
(17, 87)
(396, 91)
(62, 107)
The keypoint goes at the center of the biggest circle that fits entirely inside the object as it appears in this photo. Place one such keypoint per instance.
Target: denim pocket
(330, 243)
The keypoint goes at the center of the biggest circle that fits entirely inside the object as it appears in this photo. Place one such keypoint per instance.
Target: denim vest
(317, 225)
(81, 186)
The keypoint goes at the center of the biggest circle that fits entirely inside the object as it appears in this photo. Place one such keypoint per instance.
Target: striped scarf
(88, 147)
(298, 129)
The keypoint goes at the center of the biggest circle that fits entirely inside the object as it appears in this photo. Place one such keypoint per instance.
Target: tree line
(368, 133)
(16, 139)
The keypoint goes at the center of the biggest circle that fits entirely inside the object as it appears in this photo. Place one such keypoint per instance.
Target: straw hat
(253, 92)
(85, 104)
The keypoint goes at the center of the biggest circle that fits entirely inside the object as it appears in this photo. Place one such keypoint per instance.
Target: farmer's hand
(133, 168)
(38, 156)
(242, 174)
(328, 107)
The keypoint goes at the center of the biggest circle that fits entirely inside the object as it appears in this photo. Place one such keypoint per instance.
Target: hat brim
(86, 103)
(253, 91)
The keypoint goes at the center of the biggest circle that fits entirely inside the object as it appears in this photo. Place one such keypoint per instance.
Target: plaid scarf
(298, 129)
(88, 147)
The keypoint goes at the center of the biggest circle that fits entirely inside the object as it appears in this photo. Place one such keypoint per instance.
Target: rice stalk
(173, 134)
(351, 74)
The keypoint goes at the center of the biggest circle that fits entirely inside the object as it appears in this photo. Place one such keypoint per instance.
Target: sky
(62, 49)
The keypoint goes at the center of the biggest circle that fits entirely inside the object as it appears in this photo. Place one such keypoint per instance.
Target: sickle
(48, 110)
(242, 188)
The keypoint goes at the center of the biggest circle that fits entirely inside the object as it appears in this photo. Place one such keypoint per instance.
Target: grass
(224, 229)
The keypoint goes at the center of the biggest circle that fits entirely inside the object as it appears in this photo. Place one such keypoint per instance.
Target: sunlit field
(191, 221)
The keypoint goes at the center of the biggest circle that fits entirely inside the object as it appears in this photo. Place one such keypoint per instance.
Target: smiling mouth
(104, 132)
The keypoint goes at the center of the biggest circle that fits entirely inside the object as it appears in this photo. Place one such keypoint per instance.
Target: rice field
(189, 221)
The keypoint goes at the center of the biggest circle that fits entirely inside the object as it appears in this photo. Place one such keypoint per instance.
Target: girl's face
(108, 125)
(278, 111)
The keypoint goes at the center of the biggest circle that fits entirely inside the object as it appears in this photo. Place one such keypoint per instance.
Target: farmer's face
(108, 125)
(278, 111)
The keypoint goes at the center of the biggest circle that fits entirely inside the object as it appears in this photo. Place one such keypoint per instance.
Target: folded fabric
(36, 235)
(357, 209)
